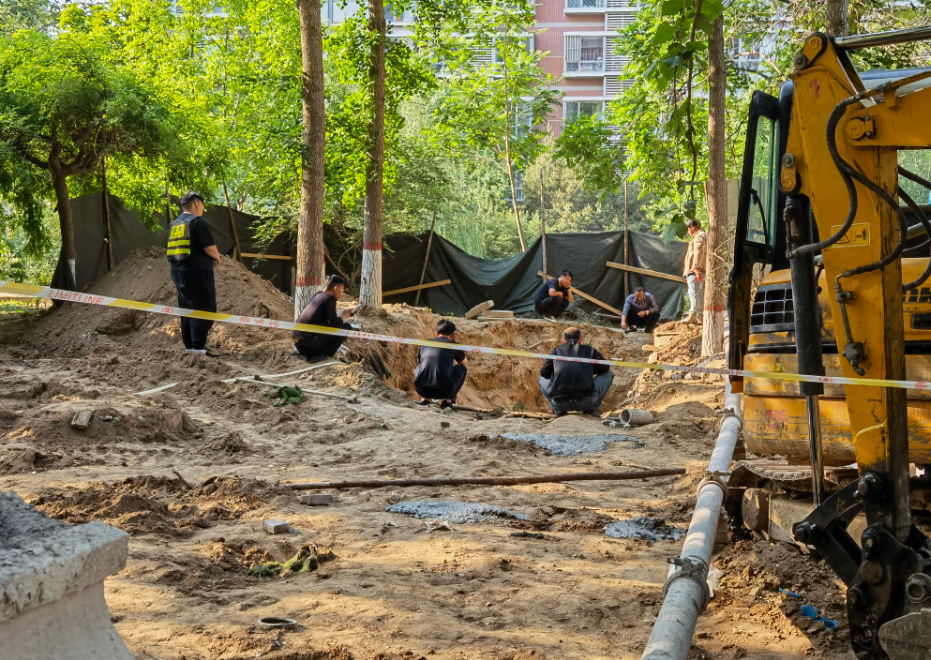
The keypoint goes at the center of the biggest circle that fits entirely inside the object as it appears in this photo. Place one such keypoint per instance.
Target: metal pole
(626, 243)
(884, 38)
(108, 234)
(426, 259)
(685, 594)
(817, 453)
(493, 481)
(237, 253)
(543, 224)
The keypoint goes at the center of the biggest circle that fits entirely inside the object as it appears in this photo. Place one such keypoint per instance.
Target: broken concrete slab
(273, 526)
(51, 585)
(454, 512)
(82, 420)
(497, 314)
(478, 309)
(317, 499)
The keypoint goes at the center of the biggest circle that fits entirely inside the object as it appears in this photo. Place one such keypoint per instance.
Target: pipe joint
(692, 569)
(717, 478)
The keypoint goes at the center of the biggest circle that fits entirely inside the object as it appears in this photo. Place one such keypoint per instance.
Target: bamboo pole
(645, 271)
(426, 259)
(237, 252)
(492, 481)
(415, 288)
(543, 224)
(108, 233)
(588, 297)
(626, 243)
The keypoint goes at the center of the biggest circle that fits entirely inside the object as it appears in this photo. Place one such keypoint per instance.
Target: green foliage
(23, 258)
(589, 145)
(288, 395)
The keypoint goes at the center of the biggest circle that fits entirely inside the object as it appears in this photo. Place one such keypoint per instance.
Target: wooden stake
(645, 271)
(237, 253)
(416, 288)
(426, 259)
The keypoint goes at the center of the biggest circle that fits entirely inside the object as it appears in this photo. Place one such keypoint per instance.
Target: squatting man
(441, 372)
(321, 310)
(575, 386)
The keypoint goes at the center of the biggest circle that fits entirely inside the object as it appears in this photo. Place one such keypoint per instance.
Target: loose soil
(191, 473)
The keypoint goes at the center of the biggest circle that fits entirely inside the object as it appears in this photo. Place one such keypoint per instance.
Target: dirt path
(392, 589)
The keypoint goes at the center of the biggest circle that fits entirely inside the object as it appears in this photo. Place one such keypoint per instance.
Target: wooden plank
(416, 288)
(644, 271)
(586, 296)
(264, 256)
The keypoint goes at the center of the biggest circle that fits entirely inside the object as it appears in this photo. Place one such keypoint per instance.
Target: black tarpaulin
(128, 233)
(512, 282)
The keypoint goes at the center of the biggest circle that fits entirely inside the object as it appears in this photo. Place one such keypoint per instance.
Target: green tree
(498, 106)
(63, 108)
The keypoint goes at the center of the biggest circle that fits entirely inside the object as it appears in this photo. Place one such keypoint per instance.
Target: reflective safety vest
(179, 238)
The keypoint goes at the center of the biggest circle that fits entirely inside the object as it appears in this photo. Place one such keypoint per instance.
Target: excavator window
(763, 191)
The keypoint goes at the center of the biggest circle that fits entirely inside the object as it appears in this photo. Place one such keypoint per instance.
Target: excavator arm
(839, 173)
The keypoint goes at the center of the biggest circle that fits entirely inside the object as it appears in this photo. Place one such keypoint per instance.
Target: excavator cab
(831, 264)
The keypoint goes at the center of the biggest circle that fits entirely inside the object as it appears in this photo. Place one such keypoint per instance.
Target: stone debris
(566, 445)
(276, 526)
(317, 499)
(454, 512)
(82, 420)
(646, 529)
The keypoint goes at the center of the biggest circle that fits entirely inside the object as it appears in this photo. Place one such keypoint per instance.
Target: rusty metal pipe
(493, 481)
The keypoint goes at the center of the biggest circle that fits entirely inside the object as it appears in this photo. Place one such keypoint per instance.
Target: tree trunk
(66, 220)
(837, 18)
(715, 196)
(370, 290)
(310, 270)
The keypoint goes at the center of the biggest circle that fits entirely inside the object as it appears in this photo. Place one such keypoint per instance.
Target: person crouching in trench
(441, 372)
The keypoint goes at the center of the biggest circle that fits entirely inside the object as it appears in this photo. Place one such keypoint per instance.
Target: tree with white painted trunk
(715, 196)
(310, 250)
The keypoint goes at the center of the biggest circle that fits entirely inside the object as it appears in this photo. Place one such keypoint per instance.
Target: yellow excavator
(823, 212)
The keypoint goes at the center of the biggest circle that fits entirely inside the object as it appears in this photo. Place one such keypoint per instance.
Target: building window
(406, 16)
(576, 109)
(584, 54)
(585, 4)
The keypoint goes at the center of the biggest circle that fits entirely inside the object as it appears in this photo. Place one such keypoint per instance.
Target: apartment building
(579, 36)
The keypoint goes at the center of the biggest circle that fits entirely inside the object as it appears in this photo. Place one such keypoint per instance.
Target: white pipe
(686, 591)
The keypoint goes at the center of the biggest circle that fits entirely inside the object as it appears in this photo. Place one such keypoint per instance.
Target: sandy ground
(390, 587)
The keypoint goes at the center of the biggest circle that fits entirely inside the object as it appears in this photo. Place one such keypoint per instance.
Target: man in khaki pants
(693, 270)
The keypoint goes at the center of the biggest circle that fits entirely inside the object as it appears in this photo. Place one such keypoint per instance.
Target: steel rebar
(492, 481)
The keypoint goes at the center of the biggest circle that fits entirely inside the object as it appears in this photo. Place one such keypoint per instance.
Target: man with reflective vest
(193, 253)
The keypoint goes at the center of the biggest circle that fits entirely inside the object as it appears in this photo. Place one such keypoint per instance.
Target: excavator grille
(773, 309)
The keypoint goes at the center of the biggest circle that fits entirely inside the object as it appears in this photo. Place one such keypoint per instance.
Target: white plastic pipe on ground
(686, 591)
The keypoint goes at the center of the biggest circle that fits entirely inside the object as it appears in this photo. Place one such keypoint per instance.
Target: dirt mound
(494, 380)
(144, 276)
(157, 505)
(754, 573)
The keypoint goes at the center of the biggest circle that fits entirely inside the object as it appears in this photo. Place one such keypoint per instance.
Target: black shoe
(423, 402)
(446, 404)
(211, 355)
(560, 413)
(592, 413)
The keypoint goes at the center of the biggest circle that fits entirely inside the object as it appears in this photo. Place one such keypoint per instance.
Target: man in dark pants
(193, 253)
(575, 386)
(441, 372)
(321, 310)
(641, 309)
(554, 296)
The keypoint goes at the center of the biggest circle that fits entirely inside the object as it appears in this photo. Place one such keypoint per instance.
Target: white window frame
(567, 101)
(572, 55)
(595, 6)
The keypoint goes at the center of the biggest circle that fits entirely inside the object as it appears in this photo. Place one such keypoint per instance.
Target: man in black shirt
(579, 386)
(321, 310)
(193, 253)
(441, 372)
(554, 296)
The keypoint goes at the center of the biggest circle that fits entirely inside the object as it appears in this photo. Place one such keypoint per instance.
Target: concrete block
(663, 338)
(478, 309)
(317, 499)
(497, 314)
(51, 586)
(276, 526)
(82, 420)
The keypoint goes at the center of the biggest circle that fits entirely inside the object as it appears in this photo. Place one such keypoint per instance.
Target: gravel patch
(568, 445)
(647, 529)
(454, 512)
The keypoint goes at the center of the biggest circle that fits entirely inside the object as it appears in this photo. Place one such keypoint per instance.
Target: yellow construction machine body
(775, 415)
